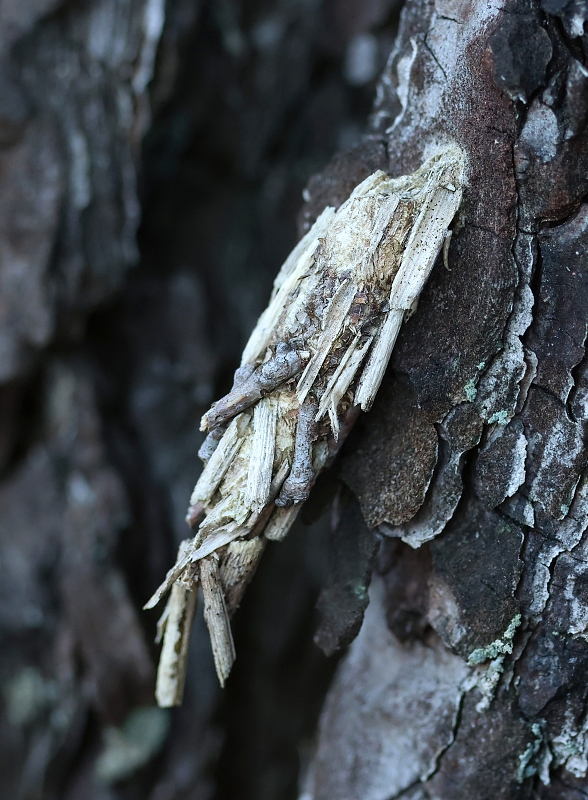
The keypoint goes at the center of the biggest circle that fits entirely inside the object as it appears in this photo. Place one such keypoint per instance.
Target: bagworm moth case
(316, 356)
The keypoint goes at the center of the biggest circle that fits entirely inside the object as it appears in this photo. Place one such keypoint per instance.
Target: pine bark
(467, 679)
(462, 497)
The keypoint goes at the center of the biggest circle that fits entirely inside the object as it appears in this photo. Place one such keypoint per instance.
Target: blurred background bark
(158, 160)
(152, 166)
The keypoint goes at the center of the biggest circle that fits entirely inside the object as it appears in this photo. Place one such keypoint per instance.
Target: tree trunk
(463, 489)
(467, 679)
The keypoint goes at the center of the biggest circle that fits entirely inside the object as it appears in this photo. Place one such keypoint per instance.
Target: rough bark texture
(468, 676)
(475, 452)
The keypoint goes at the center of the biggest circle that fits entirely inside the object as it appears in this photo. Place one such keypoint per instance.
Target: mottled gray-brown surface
(475, 452)
(153, 158)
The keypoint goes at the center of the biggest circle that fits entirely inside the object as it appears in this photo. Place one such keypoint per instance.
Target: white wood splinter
(174, 626)
(318, 354)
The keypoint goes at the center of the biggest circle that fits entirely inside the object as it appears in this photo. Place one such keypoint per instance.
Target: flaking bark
(468, 677)
(476, 454)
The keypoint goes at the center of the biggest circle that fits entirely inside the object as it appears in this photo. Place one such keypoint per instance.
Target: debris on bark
(320, 348)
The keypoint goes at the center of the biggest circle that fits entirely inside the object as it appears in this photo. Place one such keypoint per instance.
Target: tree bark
(463, 490)
(467, 679)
